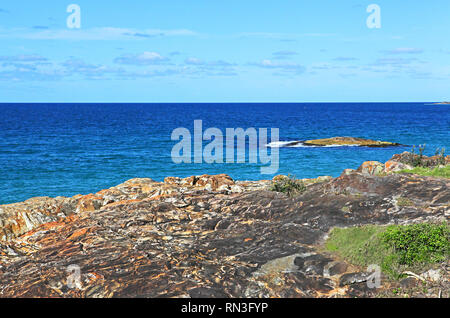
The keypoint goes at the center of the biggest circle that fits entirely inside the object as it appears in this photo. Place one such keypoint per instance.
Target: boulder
(317, 180)
(220, 181)
(335, 268)
(393, 166)
(372, 168)
(433, 275)
(409, 282)
(353, 278)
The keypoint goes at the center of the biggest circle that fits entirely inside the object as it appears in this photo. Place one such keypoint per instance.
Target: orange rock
(89, 203)
(190, 181)
(214, 182)
(373, 168)
(80, 232)
(392, 166)
(172, 180)
(279, 177)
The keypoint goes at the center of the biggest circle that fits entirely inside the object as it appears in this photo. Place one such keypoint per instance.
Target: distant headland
(442, 103)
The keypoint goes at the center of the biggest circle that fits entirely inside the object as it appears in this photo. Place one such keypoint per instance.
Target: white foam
(279, 144)
(300, 144)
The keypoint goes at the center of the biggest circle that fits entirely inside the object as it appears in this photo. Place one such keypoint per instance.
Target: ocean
(67, 149)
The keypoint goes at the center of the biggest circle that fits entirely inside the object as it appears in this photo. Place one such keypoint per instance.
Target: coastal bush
(443, 172)
(288, 185)
(418, 243)
(394, 248)
(416, 159)
(420, 160)
(440, 153)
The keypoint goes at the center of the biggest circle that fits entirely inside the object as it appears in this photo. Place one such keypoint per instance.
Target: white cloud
(281, 55)
(345, 59)
(405, 50)
(91, 34)
(194, 61)
(146, 58)
(285, 67)
(23, 58)
(283, 36)
(394, 61)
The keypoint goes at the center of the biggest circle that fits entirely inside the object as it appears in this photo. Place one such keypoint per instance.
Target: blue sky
(224, 51)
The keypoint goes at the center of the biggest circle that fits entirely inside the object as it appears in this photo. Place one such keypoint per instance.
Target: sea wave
(281, 144)
(300, 144)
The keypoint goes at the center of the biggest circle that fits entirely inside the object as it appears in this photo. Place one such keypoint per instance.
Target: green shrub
(288, 185)
(441, 155)
(394, 248)
(416, 159)
(418, 243)
(420, 160)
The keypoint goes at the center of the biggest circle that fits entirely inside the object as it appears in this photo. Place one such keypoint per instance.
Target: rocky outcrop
(408, 158)
(442, 103)
(19, 218)
(349, 141)
(205, 236)
(306, 181)
(373, 168)
(400, 162)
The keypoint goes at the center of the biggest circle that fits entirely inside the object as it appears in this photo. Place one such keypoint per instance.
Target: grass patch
(288, 185)
(394, 248)
(441, 172)
(404, 202)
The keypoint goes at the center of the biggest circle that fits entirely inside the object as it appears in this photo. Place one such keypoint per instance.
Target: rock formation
(207, 236)
(349, 141)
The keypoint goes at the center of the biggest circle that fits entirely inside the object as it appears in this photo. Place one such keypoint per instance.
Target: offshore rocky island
(212, 236)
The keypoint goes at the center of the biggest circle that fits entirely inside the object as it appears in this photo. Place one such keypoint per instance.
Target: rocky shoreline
(212, 236)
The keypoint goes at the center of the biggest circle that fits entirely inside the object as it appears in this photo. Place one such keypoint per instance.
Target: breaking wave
(300, 144)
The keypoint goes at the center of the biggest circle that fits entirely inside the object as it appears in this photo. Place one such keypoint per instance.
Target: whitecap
(280, 144)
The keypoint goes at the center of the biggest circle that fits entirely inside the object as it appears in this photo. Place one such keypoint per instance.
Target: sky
(224, 51)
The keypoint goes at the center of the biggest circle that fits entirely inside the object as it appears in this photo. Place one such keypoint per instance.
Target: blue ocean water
(66, 149)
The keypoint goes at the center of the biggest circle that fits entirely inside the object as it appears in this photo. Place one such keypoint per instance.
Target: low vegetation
(418, 159)
(404, 202)
(394, 248)
(442, 172)
(288, 185)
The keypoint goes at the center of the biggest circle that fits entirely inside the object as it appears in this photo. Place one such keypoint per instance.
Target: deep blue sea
(66, 149)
